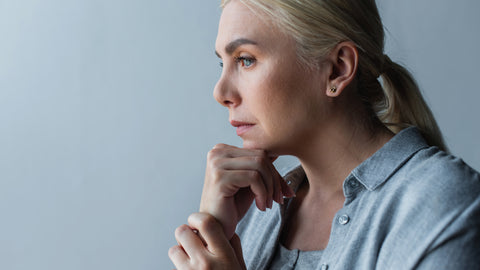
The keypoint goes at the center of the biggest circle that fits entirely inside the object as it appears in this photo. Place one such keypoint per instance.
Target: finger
(258, 163)
(277, 193)
(178, 257)
(243, 179)
(232, 152)
(211, 231)
(287, 191)
(223, 146)
(189, 241)
(237, 247)
(195, 231)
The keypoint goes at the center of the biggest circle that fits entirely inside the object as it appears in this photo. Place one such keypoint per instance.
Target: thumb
(237, 247)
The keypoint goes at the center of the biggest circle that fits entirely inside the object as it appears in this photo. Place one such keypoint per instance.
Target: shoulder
(438, 194)
(432, 172)
(428, 207)
(447, 195)
(438, 162)
(429, 181)
(435, 184)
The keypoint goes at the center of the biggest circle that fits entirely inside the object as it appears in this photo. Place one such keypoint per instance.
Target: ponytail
(405, 106)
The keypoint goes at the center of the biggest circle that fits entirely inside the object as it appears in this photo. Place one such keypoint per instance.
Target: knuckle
(203, 264)
(218, 174)
(216, 154)
(180, 230)
(261, 153)
(212, 154)
(215, 163)
(219, 145)
(173, 251)
(207, 223)
(260, 160)
(255, 175)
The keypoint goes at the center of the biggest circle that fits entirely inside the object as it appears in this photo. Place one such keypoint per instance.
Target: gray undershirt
(285, 259)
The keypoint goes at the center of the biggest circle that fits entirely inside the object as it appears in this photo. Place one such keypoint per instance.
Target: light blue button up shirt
(408, 206)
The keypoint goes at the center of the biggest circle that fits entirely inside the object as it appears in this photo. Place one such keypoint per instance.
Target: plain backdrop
(107, 114)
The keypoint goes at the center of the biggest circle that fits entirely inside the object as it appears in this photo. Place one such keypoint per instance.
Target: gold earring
(333, 89)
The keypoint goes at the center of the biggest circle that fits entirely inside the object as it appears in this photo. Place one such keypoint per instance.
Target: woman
(375, 189)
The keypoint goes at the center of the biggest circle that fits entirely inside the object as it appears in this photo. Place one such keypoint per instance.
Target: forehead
(239, 21)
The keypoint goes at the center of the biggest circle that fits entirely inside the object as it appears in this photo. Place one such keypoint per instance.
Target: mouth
(242, 127)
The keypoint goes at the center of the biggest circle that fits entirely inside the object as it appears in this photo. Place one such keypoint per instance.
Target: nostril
(225, 94)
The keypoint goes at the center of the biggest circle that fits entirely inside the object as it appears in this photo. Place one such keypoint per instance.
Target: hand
(234, 178)
(203, 245)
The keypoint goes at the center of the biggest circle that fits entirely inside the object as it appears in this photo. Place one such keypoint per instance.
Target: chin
(252, 145)
(271, 149)
(255, 144)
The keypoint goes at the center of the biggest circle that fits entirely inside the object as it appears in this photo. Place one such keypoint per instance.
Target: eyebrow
(232, 46)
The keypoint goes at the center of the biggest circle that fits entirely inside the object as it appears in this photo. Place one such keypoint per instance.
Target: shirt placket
(341, 225)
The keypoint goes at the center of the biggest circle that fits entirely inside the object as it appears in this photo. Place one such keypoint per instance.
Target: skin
(290, 111)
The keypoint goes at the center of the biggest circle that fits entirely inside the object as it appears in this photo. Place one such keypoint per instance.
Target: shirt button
(343, 219)
(353, 183)
(324, 267)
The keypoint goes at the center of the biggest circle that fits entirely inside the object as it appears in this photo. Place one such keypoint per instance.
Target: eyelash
(241, 59)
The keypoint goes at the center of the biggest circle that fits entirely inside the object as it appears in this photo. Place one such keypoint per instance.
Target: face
(274, 101)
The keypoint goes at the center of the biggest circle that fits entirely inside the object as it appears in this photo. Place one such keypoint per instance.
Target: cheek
(295, 93)
(283, 97)
(284, 108)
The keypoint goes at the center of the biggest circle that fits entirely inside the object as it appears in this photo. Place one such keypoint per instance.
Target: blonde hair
(318, 26)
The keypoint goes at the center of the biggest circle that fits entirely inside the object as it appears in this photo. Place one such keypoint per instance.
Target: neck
(335, 150)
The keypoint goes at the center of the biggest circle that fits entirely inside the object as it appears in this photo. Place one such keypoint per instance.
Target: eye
(245, 61)
(221, 64)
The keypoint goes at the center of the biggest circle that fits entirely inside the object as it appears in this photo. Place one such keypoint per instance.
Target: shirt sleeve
(458, 246)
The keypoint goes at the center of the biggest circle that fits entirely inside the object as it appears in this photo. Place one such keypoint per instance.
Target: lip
(242, 127)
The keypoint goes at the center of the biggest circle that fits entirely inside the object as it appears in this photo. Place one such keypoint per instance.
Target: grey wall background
(106, 116)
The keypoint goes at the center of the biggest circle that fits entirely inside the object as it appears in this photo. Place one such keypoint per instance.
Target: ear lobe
(344, 59)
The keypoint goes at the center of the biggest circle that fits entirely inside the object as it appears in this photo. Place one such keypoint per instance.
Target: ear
(344, 60)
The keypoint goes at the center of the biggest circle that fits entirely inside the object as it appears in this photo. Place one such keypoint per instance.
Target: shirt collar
(375, 170)
(387, 160)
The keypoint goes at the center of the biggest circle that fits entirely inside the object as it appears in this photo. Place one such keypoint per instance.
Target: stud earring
(333, 89)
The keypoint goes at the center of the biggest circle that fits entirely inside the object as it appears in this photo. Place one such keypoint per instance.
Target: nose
(226, 93)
